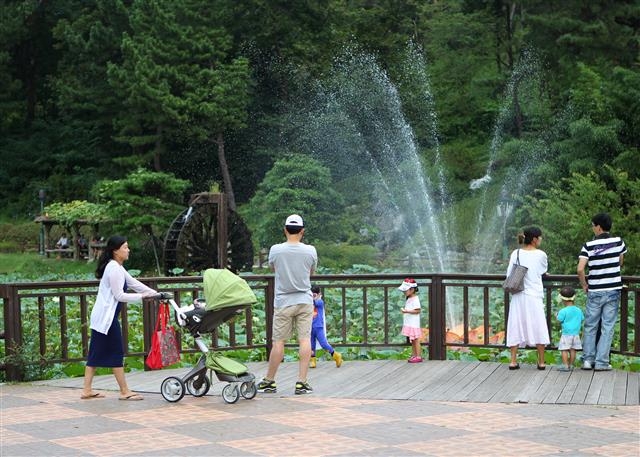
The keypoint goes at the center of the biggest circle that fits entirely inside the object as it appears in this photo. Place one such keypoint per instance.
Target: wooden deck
(455, 381)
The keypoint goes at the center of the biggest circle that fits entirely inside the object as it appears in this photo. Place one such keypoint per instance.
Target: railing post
(437, 322)
(624, 316)
(269, 296)
(12, 332)
(148, 322)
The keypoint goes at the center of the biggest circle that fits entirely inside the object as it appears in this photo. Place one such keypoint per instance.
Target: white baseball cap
(294, 221)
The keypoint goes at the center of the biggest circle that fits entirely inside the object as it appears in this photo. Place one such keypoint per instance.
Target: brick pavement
(50, 420)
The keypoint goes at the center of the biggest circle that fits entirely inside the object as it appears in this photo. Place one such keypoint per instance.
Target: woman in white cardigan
(106, 348)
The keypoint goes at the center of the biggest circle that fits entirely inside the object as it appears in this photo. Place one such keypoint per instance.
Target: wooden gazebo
(74, 248)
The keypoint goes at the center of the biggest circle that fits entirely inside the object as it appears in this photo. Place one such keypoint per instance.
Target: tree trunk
(224, 170)
(26, 54)
(510, 14)
(158, 150)
(517, 111)
(148, 229)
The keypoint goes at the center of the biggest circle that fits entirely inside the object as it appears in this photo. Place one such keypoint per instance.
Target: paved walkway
(49, 418)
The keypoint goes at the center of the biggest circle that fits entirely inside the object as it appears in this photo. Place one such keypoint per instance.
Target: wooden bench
(60, 252)
(95, 250)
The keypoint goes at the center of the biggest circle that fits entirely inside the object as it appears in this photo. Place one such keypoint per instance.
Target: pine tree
(179, 79)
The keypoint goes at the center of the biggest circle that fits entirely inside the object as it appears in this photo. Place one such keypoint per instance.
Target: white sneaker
(586, 365)
(605, 368)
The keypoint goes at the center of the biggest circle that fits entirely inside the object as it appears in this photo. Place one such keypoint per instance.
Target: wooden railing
(48, 321)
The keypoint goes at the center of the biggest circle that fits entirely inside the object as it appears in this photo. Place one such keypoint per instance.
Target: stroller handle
(161, 296)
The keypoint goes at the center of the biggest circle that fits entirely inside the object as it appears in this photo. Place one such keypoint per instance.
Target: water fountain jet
(355, 124)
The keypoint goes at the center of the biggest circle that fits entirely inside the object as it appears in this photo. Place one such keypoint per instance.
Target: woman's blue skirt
(107, 350)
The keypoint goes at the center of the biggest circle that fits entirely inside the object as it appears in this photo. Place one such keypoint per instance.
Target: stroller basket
(221, 364)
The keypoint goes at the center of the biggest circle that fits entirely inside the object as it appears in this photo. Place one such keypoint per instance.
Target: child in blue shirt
(318, 333)
(571, 318)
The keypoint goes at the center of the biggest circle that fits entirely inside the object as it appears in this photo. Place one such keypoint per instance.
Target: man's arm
(271, 260)
(582, 263)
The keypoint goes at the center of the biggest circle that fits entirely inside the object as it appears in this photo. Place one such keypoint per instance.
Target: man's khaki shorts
(288, 317)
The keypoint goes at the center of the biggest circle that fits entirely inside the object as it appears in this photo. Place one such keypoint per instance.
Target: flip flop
(92, 395)
(132, 397)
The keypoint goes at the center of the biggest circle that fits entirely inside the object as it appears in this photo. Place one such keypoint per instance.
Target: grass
(33, 266)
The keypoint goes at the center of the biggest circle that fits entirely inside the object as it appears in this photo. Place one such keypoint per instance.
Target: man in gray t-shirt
(293, 263)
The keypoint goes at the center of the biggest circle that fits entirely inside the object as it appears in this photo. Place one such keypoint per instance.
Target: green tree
(27, 58)
(591, 134)
(598, 33)
(88, 39)
(565, 210)
(460, 46)
(622, 90)
(26, 37)
(296, 184)
(178, 78)
(12, 109)
(304, 35)
(143, 205)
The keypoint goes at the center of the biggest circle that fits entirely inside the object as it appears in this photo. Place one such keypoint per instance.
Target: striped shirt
(603, 260)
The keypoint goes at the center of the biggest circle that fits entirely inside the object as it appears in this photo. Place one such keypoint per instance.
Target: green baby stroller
(226, 296)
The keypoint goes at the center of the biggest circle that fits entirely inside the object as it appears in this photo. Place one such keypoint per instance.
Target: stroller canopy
(222, 289)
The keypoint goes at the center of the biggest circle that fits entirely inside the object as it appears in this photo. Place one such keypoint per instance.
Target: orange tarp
(476, 335)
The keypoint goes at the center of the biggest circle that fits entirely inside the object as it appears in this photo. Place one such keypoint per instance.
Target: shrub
(19, 236)
(338, 256)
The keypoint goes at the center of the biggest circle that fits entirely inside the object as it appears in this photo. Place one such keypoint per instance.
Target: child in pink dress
(411, 319)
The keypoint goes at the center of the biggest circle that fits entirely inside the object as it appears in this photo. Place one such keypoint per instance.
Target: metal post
(269, 296)
(437, 320)
(41, 196)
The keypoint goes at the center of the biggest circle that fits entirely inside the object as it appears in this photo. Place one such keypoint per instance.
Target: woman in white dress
(527, 324)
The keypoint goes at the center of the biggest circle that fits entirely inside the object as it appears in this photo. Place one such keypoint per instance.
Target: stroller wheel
(172, 389)
(230, 393)
(199, 385)
(248, 390)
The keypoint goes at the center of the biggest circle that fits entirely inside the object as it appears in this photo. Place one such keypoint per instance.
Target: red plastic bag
(164, 344)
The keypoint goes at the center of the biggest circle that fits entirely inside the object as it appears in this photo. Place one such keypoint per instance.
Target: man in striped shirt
(603, 256)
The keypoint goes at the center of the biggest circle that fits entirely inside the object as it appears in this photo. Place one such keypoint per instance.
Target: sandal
(132, 397)
(514, 367)
(92, 395)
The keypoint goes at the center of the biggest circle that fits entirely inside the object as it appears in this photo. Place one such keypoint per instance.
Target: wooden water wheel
(208, 235)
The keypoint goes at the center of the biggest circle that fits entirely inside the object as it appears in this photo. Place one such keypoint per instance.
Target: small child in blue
(571, 318)
(318, 333)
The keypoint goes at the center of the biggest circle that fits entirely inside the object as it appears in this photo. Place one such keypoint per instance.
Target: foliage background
(199, 91)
